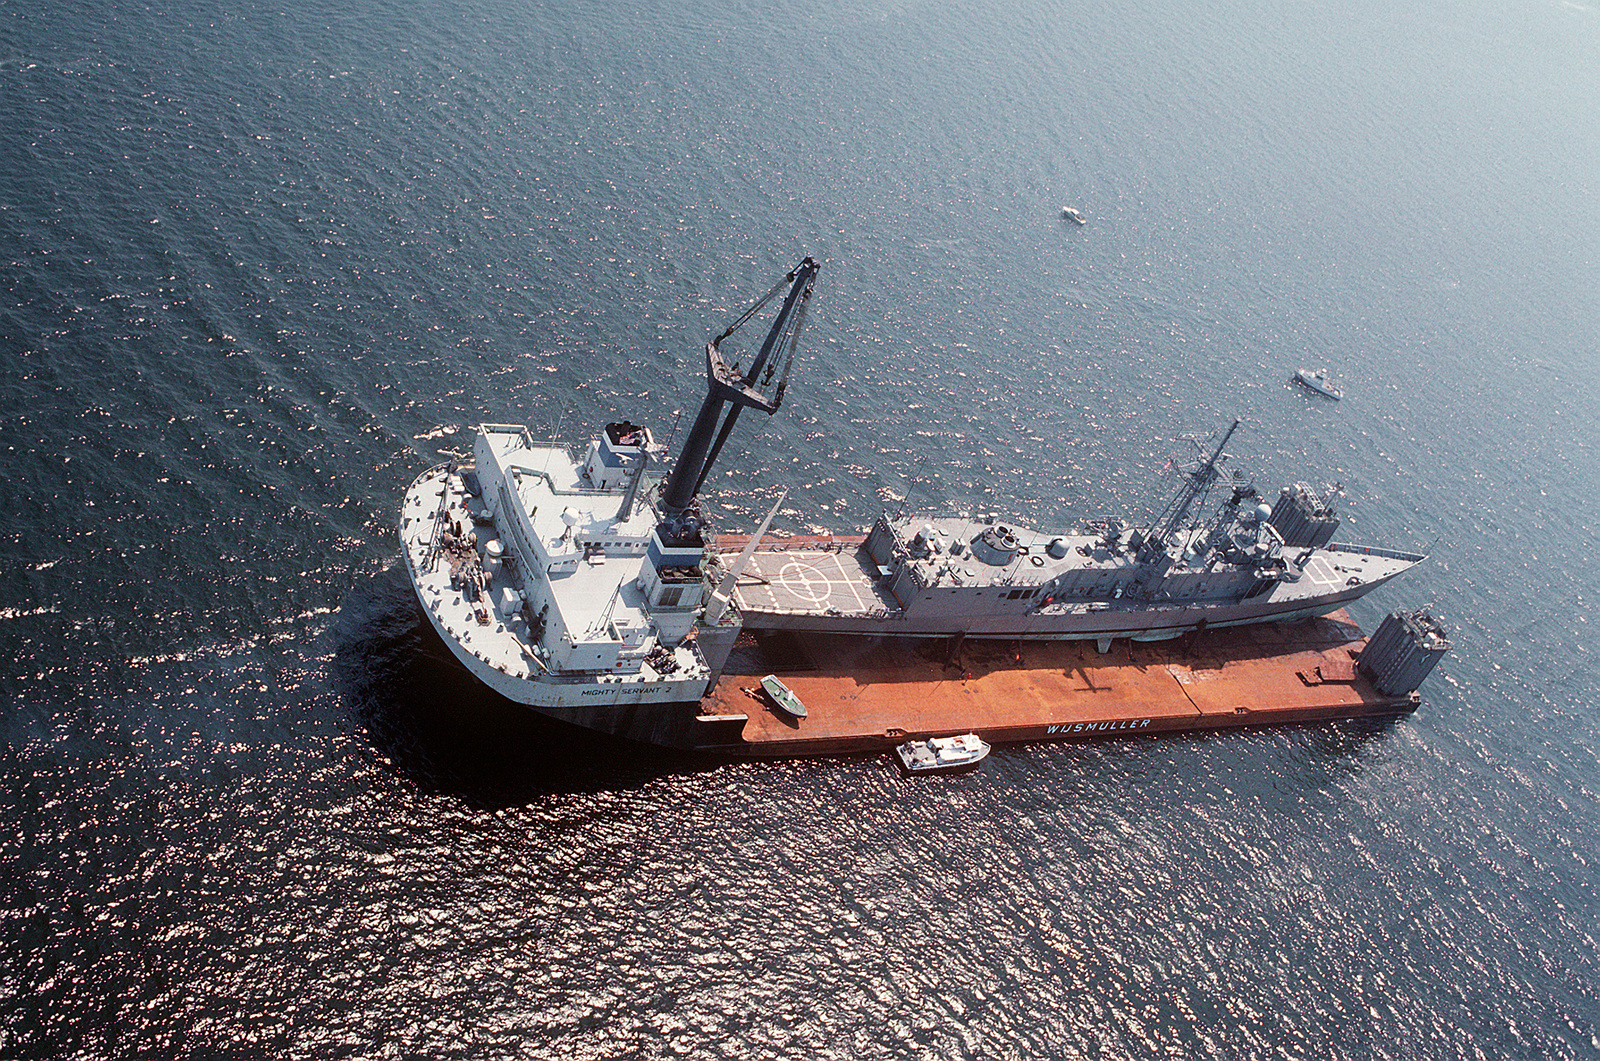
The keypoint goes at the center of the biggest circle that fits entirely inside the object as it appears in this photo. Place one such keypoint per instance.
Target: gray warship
(1218, 555)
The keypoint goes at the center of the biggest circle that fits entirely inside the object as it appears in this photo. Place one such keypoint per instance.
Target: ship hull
(844, 590)
(1153, 623)
(583, 692)
(870, 694)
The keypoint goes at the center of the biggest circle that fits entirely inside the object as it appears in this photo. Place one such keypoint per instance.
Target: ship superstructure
(1194, 566)
(562, 581)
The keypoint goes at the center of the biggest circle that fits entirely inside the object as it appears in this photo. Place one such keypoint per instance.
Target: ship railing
(527, 441)
(865, 613)
(520, 430)
(699, 657)
(1373, 550)
(513, 570)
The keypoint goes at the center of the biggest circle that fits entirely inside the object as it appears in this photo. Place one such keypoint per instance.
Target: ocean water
(264, 262)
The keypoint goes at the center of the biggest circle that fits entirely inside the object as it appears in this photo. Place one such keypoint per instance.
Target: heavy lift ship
(581, 589)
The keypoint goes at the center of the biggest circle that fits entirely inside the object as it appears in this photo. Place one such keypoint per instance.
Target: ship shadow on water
(429, 720)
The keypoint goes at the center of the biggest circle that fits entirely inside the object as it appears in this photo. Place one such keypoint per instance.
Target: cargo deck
(866, 694)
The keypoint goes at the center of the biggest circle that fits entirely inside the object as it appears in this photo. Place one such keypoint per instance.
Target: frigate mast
(1172, 518)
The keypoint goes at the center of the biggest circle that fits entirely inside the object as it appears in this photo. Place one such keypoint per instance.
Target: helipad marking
(805, 582)
(817, 581)
(1321, 571)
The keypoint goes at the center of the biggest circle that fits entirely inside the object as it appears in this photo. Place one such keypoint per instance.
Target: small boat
(942, 753)
(1317, 379)
(1071, 214)
(783, 696)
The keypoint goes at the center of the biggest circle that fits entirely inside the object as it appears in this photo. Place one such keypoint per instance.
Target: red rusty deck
(870, 693)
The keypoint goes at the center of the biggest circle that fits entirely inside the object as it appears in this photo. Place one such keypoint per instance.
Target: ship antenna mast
(1200, 481)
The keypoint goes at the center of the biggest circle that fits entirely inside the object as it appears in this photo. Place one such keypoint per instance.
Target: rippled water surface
(263, 263)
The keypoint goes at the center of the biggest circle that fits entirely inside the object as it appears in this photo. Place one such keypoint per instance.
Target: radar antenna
(1200, 481)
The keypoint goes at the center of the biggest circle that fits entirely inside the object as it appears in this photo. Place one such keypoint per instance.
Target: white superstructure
(545, 577)
(575, 583)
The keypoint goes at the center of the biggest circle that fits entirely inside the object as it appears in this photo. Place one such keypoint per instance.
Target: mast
(1200, 481)
(761, 388)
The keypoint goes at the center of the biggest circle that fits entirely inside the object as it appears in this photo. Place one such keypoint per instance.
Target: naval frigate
(1218, 555)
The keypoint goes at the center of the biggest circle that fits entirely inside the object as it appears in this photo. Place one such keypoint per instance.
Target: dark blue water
(264, 262)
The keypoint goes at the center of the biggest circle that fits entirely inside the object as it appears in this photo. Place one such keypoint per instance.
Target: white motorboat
(783, 696)
(1318, 380)
(937, 754)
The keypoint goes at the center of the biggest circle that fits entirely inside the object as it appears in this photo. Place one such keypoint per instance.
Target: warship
(590, 589)
(1218, 555)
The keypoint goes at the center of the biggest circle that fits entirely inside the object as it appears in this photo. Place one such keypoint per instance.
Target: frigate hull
(939, 578)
